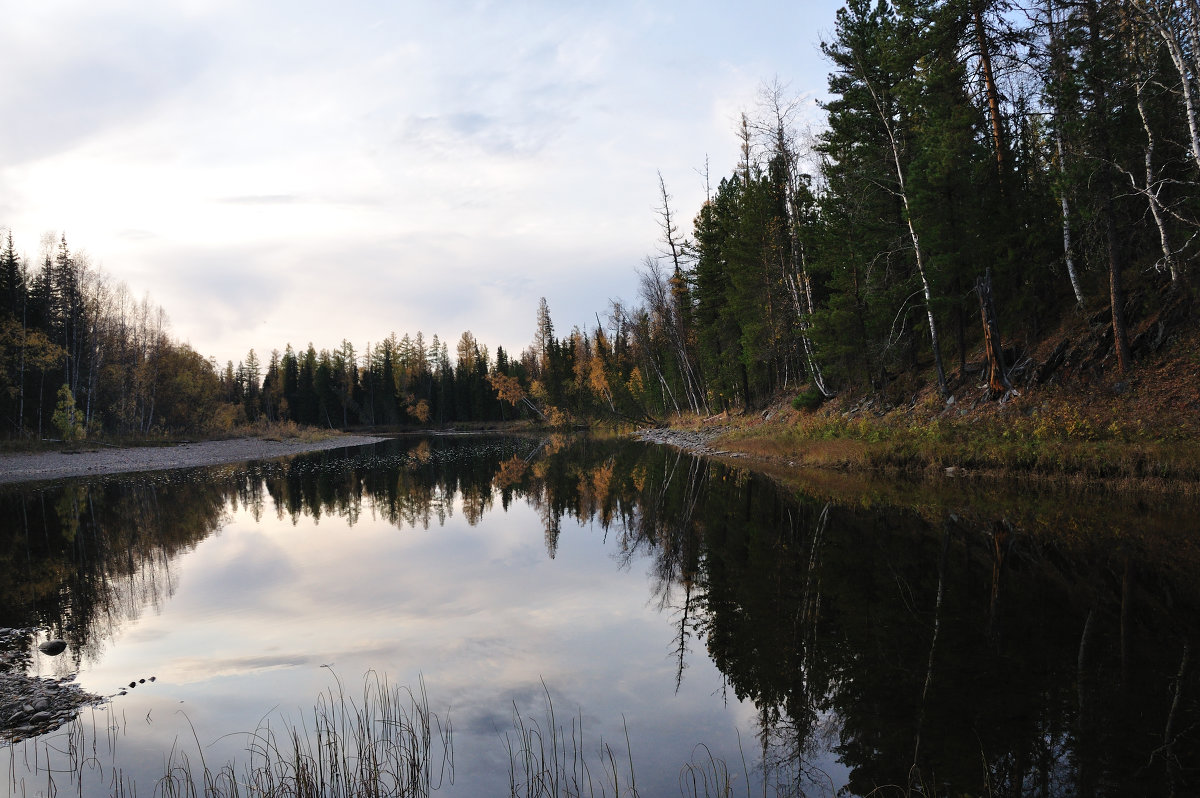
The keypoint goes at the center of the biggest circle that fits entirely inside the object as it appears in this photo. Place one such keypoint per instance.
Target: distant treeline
(983, 171)
(79, 356)
(78, 353)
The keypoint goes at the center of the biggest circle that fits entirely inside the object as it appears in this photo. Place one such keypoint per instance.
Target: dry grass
(1141, 432)
(285, 431)
(384, 742)
(1037, 446)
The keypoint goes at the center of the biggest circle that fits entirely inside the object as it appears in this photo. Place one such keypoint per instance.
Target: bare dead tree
(997, 375)
(674, 304)
(778, 129)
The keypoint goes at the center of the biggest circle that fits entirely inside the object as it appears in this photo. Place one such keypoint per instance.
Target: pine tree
(251, 376)
(543, 336)
(12, 281)
(861, 262)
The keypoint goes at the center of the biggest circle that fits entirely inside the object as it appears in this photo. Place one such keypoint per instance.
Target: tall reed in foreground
(544, 761)
(542, 764)
(385, 743)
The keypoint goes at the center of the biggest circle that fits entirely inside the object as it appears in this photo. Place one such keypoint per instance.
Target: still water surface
(820, 640)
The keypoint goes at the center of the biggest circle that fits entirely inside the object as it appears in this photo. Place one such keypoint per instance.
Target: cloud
(132, 234)
(84, 70)
(262, 199)
(274, 173)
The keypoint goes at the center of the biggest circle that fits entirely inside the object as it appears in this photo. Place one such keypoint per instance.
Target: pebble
(52, 648)
(31, 705)
(692, 441)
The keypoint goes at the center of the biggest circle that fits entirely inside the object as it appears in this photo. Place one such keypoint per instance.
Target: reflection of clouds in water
(198, 668)
(482, 654)
(522, 557)
(242, 569)
(492, 622)
(145, 634)
(483, 714)
(481, 611)
(251, 560)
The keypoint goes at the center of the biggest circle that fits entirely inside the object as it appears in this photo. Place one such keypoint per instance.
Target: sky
(293, 172)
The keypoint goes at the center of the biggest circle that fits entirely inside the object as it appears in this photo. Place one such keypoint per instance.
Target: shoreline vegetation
(1140, 434)
(1056, 444)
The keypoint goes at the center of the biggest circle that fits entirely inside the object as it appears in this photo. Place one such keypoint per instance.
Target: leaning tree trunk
(1059, 70)
(1116, 290)
(1152, 188)
(997, 376)
(1107, 189)
(993, 93)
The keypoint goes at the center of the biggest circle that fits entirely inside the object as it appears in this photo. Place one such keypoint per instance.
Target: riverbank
(36, 466)
(1072, 417)
(1133, 440)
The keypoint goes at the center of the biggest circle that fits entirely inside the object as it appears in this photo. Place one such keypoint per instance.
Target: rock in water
(52, 648)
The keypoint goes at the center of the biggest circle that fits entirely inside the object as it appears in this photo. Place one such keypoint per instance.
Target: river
(607, 614)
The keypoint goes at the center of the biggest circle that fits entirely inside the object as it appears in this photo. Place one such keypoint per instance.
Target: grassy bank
(1133, 438)
(1072, 419)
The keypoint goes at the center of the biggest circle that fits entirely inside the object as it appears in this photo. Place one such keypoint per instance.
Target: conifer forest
(985, 172)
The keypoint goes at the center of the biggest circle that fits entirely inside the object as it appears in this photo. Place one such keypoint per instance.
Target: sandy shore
(56, 465)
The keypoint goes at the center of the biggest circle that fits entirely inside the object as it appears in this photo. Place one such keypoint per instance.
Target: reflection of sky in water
(480, 611)
(237, 623)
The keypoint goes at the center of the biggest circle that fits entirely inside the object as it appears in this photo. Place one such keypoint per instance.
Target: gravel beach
(33, 466)
(695, 441)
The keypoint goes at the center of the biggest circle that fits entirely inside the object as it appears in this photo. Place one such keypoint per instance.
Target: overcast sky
(274, 172)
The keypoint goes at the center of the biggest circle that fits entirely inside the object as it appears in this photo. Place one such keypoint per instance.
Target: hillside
(1072, 417)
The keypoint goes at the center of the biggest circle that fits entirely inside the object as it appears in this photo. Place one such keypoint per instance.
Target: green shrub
(67, 417)
(808, 399)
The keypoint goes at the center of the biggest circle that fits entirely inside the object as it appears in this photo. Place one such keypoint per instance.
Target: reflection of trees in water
(902, 644)
(1046, 655)
(946, 654)
(87, 558)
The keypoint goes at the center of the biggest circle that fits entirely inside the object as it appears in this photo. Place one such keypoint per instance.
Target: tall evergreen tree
(12, 281)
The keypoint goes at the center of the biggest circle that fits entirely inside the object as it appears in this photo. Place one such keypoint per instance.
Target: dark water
(933, 641)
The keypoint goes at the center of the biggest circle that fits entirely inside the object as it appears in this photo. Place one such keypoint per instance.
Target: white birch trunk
(1171, 36)
(1151, 190)
(1066, 231)
(926, 292)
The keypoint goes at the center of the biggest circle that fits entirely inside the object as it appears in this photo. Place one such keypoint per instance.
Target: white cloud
(289, 172)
